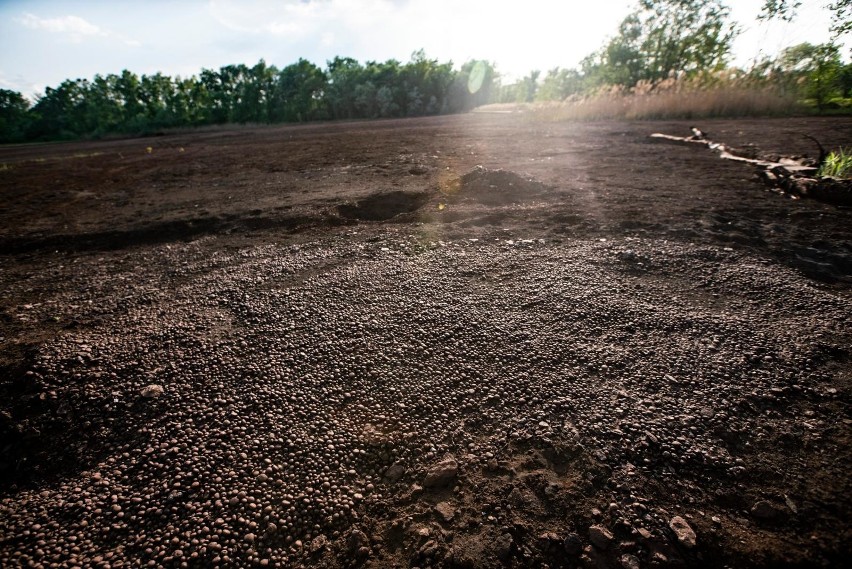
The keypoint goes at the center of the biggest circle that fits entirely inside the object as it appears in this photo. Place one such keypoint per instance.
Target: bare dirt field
(466, 341)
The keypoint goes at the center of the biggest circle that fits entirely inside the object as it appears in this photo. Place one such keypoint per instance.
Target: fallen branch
(795, 177)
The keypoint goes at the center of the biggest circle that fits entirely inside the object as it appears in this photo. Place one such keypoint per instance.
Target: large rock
(445, 511)
(394, 472)
(152, 391)
(442, 474)
(600, 537)
(684, 533)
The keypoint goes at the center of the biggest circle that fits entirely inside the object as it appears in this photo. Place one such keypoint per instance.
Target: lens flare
(476, 77)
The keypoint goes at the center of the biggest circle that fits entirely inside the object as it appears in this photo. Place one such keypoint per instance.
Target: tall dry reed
(708, 96)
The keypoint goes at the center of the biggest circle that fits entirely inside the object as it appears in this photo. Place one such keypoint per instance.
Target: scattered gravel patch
(258, 406)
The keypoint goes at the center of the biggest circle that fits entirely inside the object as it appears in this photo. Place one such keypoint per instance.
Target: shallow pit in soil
(383, 206)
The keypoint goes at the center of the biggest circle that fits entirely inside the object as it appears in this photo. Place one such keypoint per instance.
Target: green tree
(128, 89)
(476, 83)
(220, 93)
(620, 61)
(366, 104)
(810, 72)
(822, 83)
(815, 70)
(559, 84)
(209, 95)
(427, 82)
(524, 90)
(844, 81)
(344, 74)
(155, 91)
(781, 9)
(665, 38)
(103, 106)
(14, 117)
(298, 93)
(182, 103)
(387, 81)
(528, 86)
(61, 111)
(252, 92)
(386, 102)
(841, 17)
(236, 93)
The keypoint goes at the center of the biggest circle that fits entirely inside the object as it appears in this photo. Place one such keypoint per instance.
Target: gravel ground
(467, 341)
(309, 390)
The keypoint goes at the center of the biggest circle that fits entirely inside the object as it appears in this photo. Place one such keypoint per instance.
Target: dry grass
(669, 105)
(705, 97)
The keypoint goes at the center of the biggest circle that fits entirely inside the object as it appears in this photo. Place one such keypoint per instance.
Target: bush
(837, 164)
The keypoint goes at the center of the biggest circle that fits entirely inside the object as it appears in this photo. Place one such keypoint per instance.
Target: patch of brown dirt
(605, 332)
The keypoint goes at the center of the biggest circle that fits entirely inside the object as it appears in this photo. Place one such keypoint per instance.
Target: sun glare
(477, 76)
(550, 34)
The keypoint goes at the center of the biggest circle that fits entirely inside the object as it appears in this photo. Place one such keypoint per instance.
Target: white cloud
(298, 20)
(75, 28)
(284, 18)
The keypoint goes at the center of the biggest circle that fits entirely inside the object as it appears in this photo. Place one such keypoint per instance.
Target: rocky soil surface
(467, 341)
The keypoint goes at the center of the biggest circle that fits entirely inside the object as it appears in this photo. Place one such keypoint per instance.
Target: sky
(43, 42)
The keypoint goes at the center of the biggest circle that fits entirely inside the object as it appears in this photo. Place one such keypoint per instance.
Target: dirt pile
(493, 187)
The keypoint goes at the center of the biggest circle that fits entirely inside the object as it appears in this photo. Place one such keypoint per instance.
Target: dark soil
(384, 206)
(468, 341)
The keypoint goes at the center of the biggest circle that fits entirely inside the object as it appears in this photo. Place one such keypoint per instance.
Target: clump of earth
(493, 187)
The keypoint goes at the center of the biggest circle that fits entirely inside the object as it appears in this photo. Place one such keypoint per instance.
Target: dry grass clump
(672, 98)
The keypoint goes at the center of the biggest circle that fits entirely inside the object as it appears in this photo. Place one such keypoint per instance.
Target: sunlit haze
(45, 42)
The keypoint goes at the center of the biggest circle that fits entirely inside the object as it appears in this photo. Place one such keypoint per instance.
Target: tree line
(659, 41)
(302, 91)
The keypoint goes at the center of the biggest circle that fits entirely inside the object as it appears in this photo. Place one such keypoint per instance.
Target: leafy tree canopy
(664, 38)
(262, 93)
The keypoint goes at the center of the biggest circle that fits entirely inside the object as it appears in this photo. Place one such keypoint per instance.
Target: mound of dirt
(382, 206)
(493, 187)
